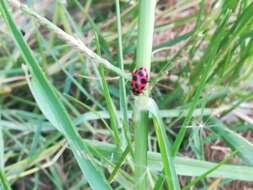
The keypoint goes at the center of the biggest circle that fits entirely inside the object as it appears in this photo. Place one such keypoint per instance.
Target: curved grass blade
(234, 140)
(47, 100)
(165, 148)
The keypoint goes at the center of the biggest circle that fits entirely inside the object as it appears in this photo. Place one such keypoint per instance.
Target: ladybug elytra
(139, 80)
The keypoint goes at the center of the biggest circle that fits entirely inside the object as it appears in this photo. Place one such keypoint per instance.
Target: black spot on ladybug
(135, 78)
(141, 73)
(143, 81)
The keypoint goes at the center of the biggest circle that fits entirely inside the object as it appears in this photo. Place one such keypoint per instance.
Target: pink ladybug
(139, 80)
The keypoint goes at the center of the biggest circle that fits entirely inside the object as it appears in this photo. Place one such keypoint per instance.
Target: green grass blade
(119, 164)
(159, 183)
(122, 84)
(164, 145)
(193, 167)
(1, 149)
(52, 108)
(175, 41)
(234, 140)
(201, 177)
(115, 122)
(4, 183)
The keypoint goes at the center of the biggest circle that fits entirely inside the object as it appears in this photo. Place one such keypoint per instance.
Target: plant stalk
(140, 120)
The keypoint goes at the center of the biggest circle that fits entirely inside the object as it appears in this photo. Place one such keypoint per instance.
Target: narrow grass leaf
(1, 149)
(201, 177)
(165, 148)
(159, 183)
(119, 164)
(122, 84)
(115, 121)
(4, 183)
(234, 140)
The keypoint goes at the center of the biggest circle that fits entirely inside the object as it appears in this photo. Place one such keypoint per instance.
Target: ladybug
(139, 80)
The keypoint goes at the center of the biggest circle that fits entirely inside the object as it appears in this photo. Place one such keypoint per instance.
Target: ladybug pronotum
(139, 80)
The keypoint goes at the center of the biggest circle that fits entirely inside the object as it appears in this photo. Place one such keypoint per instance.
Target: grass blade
(193, 167)
(4, 183)
(120, 163)
(115, 122)
(164, 145)
(122, 85)
(234, 140)
(1, 149)
(52, 108)
(201, 177)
